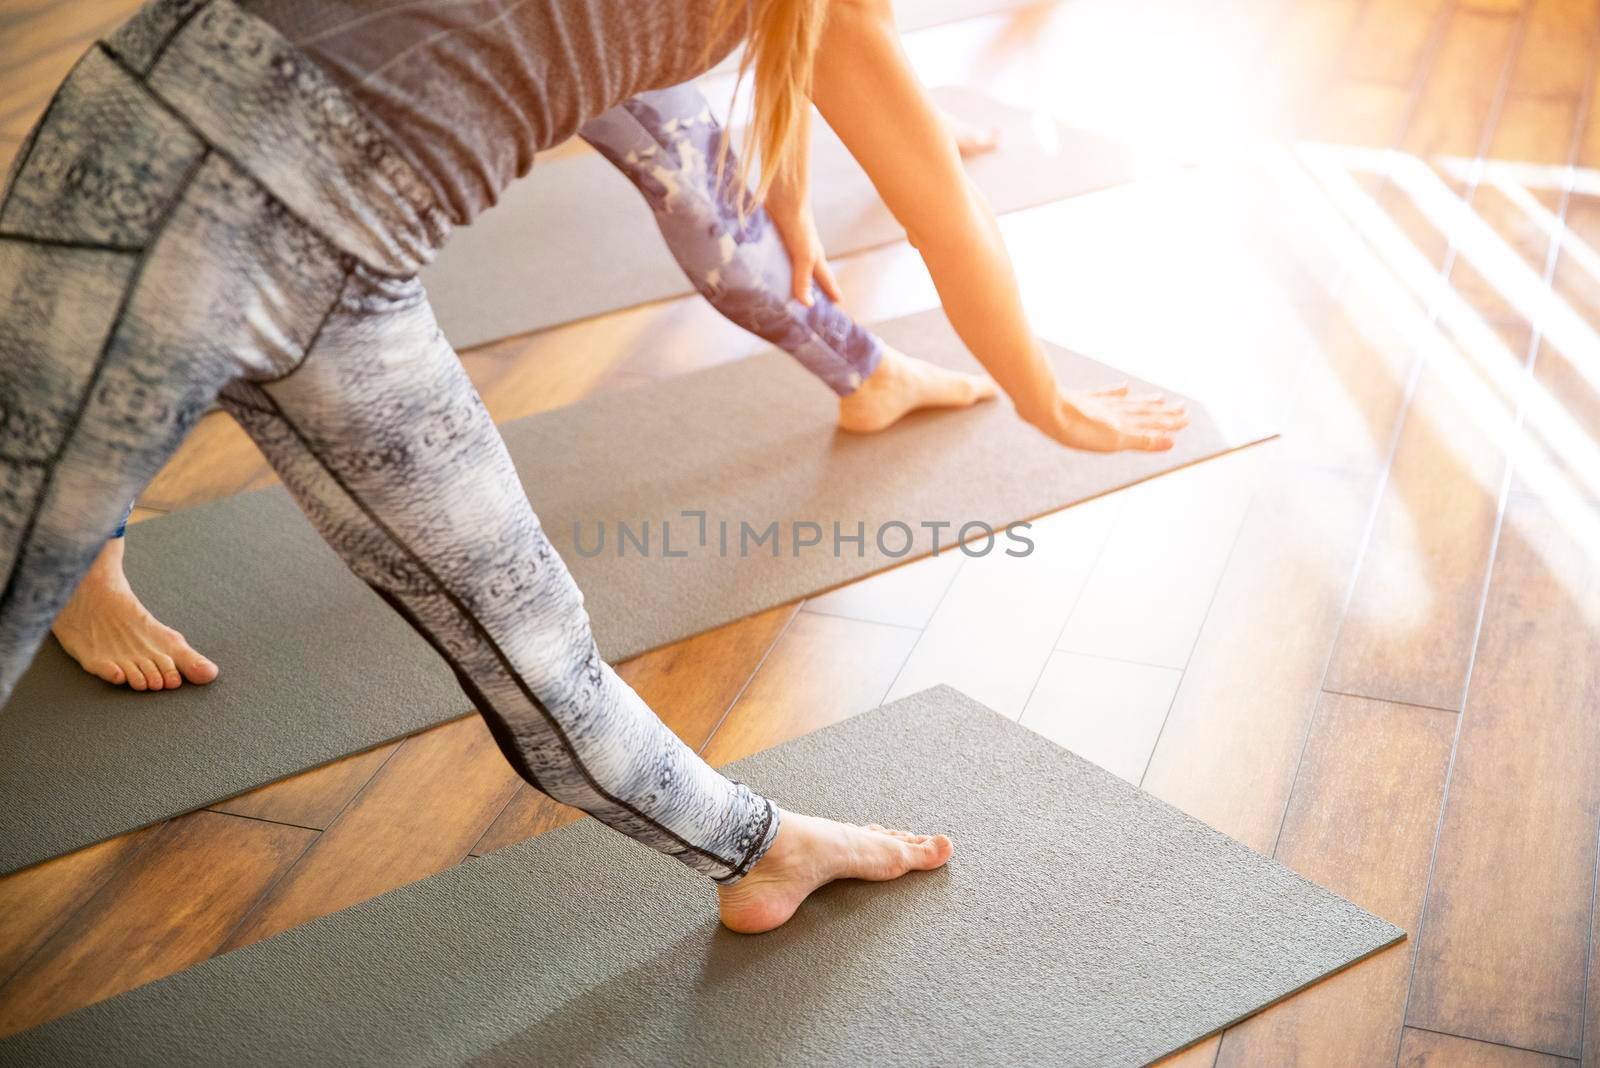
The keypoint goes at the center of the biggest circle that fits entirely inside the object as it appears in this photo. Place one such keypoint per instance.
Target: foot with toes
(810, 852)
(900, 385)
(1113, 419)
(111, 634)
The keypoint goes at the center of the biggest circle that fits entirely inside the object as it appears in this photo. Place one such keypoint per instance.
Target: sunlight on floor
(1485, 378)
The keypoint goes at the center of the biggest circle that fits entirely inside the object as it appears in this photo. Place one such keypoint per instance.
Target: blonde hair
(780, 46)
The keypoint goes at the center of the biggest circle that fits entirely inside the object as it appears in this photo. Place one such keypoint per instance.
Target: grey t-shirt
(471, 89)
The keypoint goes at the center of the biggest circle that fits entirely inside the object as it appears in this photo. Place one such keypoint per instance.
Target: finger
(802, 280)
(1150, 441)
(1135, 408)
(829, 284)
(1113, 391)
(1164, 422)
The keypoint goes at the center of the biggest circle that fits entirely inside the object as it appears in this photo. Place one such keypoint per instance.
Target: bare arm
(867, 91)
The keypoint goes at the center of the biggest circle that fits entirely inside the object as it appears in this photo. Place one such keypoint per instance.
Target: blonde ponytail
(780, 46)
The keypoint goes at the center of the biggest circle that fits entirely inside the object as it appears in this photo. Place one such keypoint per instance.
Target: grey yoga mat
(575, 239)
(1080, 922)
(315, 667)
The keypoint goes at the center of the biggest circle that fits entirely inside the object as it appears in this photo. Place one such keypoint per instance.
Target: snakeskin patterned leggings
(203, 214)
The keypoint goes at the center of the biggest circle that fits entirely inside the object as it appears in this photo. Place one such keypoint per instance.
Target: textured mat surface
(576, 239)
(315, 667)
(1080, 922)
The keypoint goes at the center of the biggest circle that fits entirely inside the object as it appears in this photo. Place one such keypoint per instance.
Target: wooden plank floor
(1366, 649)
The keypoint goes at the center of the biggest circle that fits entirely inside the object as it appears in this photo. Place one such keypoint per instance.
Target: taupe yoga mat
(1080, 922)
(315, 666)
(575, 239)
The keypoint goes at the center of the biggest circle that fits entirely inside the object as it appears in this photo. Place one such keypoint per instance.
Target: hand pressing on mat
(111, 634)
(866, 89)
(1109, 420)
(810, 852)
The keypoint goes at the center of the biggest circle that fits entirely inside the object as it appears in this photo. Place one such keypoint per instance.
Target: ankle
(106, 571)
(890, 368)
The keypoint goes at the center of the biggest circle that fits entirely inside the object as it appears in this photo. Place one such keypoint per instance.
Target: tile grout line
(745, 686)
(1418, 81)
(247, 816)
(1534, 339)
(1419, 706)
(1222, 573)
(1489, 1042)
(1553, 259)
(887, 690)
(943, 597)
(859, 619)
(255, 905)
(1419, 366)
(1120, 659)
(1233, 547)
(1077, 598)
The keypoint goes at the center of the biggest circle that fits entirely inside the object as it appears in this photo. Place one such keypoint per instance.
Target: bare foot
(810, 852)
(900, 385)
(1109, 420)
(970, 140)
(112, 636)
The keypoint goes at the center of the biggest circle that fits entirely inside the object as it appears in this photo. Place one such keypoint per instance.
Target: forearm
(868, 93)
(971, 269)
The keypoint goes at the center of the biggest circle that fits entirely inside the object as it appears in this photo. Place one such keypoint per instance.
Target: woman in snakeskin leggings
(208, 212)
(661, 140)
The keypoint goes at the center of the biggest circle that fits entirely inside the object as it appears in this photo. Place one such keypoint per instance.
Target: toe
(170, 678)
(107, 670)
(135, 675)
(147, 668)
(196, 668)
(932, 852)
